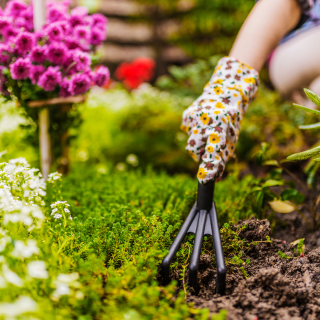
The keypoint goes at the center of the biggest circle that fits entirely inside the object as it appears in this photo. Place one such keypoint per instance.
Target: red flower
(134, 73)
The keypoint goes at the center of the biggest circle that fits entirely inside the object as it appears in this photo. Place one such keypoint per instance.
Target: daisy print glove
(213, 120)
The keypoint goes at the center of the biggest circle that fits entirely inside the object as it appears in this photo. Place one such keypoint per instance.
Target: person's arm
(265, 26)
(213, 120)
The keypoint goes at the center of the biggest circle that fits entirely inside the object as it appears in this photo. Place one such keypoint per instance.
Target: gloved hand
(213, 120)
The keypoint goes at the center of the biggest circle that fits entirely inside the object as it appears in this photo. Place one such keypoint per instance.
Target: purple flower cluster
(57, 57)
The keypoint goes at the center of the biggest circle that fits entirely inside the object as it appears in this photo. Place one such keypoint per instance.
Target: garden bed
(275, 288)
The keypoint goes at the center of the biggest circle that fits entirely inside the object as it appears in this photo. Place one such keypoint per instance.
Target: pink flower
(56, 13)
(9, 32)
(82, 32)
(98, 20)
(15, 7)
(39, 54)
(79, 11)
(69, 63)
(55, 32)
(97, 36)
(82, 60)
(36, 72)
(50, 79)
(24, 42)
(65, 26)
(4, 53)
(101, 76)
(56, 53)
(65, 88)
(39, 36)
(80, 83)
(72, 43)
(5, 22)
(20, 69)
(76, 20)
(27, 15)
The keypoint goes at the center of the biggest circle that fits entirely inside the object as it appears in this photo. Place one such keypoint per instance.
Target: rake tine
(221, 267)
(196, 223)
(195, 257)
(165, 266)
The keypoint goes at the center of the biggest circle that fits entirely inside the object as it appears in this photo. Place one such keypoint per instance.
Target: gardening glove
(213, 120)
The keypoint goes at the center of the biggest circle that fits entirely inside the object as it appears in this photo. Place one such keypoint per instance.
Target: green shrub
(145, 123)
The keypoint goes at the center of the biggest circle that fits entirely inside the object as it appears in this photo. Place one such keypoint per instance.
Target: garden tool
(201, 221)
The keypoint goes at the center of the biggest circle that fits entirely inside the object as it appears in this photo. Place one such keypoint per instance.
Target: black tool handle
(205, 196)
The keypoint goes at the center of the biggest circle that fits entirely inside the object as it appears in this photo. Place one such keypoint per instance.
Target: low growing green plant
(297, 252)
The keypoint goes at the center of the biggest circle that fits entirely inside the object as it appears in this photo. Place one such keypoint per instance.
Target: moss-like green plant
(283, 255)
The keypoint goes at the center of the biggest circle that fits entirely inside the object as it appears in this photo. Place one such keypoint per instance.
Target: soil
(276, 288)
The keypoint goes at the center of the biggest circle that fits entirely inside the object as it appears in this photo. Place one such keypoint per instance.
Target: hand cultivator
(202, 220)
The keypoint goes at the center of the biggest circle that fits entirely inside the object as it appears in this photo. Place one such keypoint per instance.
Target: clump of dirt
(256, 229)
(276, 288)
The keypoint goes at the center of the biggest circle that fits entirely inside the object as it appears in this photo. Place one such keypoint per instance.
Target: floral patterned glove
(213, 120)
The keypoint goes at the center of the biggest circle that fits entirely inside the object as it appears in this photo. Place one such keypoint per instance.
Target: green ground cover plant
(98, 240)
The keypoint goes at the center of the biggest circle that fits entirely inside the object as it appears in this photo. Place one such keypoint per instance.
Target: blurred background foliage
(141, 128)
(122, 129)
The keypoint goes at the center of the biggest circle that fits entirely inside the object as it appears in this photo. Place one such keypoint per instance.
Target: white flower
(54, 176)
(14, 218)
(11, 277)
(37, 269)
(70, 218)
(79, 295)
(60, 202)
(53, 211)
(64, 283)
(22, 251)
(57, 216)
(68, 278)
(66, 210)
(62, 289)
(133, 160)
(19, 161)
(22, 305)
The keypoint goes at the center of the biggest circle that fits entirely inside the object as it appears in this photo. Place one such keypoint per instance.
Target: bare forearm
(265, 26)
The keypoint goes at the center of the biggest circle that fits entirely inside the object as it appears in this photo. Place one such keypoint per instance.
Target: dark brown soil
(276, 288)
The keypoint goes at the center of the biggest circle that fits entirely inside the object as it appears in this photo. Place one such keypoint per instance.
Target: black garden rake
(202, 220)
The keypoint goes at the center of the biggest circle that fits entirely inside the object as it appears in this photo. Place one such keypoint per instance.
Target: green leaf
(288, 193)
(292, 195)
(316, 112)
(282, 206)
(310, 126)
(305, 154)
(254, 189)
(257, 204)
(312, 96)
(272, 183)
(271, 163)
